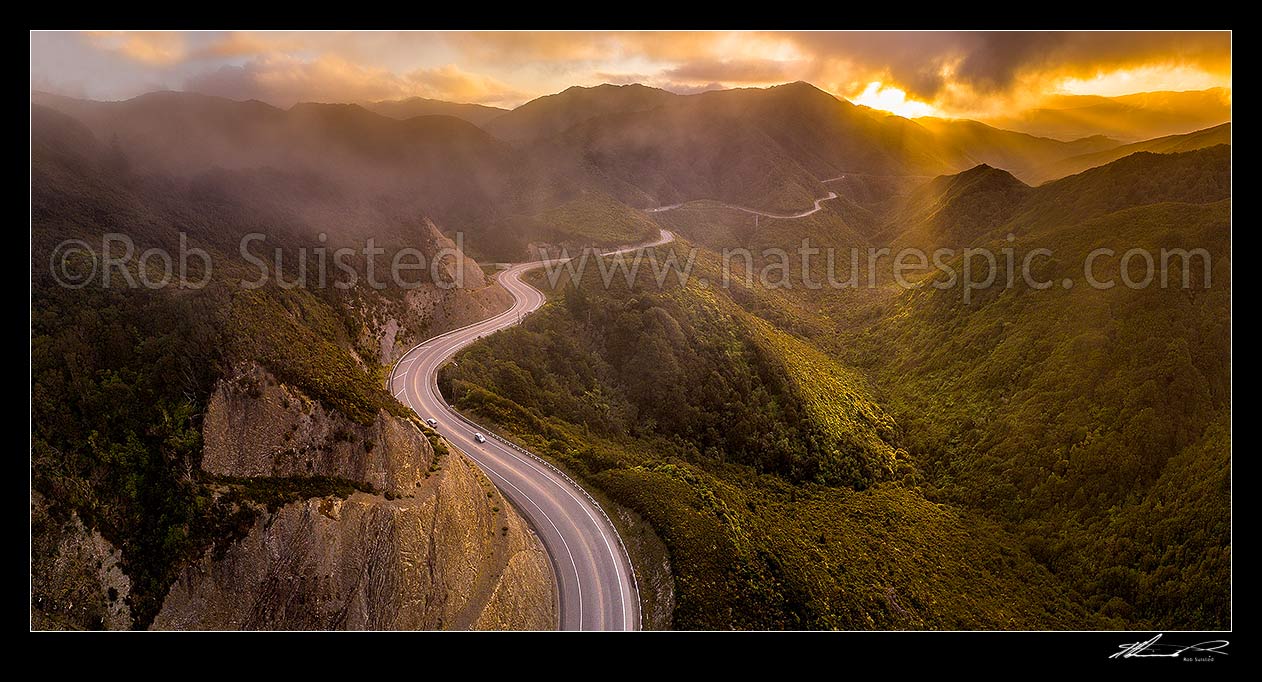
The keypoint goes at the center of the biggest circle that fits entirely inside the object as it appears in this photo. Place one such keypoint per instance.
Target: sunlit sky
(972, 74)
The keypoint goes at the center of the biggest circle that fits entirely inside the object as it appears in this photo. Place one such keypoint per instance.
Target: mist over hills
(368, 165)
(762, 148)
(957, 210)
(1128, 117)
(1077, 420)
(870, 457)
(185, 133)
(123, 375)
(553, 114)
(477, 114)
(1073, 412)
(1019, 153)
(952, 211)
(1219, 134)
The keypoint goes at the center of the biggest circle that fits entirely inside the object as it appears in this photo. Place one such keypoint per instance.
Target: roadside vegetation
(768, 470)
(1063, 453)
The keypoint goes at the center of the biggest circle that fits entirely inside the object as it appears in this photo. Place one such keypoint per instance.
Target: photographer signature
(1153, 649)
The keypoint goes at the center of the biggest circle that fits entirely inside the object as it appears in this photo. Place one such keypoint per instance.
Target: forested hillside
(1080, 435)
(774, 475)
(816, 447)
(1072, 414)
(122, 375)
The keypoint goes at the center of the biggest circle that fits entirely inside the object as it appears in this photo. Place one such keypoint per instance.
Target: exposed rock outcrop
(423, 312)
(434, 547)
(76, 580)
(454, 556)
(452, 265)
(464, 294)
(256, 426)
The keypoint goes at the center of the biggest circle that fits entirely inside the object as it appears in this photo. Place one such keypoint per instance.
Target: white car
(479, 438)
(432, 422)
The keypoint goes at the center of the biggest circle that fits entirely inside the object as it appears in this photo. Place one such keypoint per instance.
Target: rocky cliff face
(76, 580)
(256, 426)
(445, 558)
(428, 311)
(390, 326)
(434, 547)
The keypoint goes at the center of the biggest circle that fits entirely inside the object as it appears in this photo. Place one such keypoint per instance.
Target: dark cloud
(993, 61)
(958, 72)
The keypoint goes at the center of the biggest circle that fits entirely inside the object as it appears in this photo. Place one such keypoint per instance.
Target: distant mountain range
(1219, 134)
(873, 456)
(1128, 118)
(412, 107)
(493, 173)
(1089, 427)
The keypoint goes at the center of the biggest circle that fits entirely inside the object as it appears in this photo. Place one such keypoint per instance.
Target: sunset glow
(1145, 79)
(951, 74)
(893, 100)
(530, 330)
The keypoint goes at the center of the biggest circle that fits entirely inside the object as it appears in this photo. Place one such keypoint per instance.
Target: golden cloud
(449, 82)
(159, 48)
(284, 80)
(242, 44)
(742, 71)
(956, 73)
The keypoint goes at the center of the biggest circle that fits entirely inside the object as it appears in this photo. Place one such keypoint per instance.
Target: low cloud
(961, 73)
(284, 81)
(656, 82)
(735, 71)
(689, 88)
(451, 83)
(240, 44)
(927, 65)
(623, 78)
(156, 48)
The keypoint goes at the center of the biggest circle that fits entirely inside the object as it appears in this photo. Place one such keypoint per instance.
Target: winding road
(596, 583)
(595, 580)
(765, 214)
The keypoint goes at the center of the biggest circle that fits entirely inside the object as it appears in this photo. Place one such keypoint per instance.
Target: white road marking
(595, 523)
(527, 299)
(577, 578)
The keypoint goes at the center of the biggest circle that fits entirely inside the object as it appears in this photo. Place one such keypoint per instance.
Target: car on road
(432, 422)
(479, 438)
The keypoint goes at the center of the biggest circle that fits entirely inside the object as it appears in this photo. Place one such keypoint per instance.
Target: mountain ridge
(410, 107)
